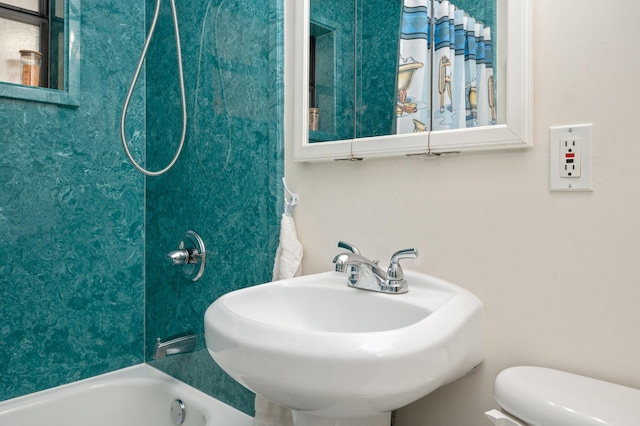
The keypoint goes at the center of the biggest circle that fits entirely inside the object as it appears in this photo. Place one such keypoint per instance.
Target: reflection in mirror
(362, 110)
(331, 69)
(384, 67)
(326, 85)
(40, 50)
(352, 71)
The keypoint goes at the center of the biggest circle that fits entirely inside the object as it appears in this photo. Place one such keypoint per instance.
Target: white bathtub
(134, 396)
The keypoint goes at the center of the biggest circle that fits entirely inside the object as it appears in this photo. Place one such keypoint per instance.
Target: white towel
(287, 264)
(288, 261)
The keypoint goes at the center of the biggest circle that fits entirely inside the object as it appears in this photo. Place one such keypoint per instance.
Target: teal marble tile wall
(71, 220)
(72, 214)
(225, 185)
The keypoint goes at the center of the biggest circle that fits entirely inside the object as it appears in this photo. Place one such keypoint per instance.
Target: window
(32, 42)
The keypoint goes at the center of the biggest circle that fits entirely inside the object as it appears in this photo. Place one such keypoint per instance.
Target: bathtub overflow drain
(177, 412)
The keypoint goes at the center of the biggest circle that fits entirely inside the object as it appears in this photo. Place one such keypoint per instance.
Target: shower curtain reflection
(446, 77)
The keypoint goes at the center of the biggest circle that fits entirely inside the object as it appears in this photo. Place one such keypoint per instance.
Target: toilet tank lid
(545, 397)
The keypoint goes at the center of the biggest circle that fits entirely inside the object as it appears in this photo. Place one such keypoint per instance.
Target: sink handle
(395, 272)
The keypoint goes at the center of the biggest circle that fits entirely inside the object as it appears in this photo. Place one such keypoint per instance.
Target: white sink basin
(328, 350)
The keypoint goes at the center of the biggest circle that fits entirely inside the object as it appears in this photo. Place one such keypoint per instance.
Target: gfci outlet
(571, 158)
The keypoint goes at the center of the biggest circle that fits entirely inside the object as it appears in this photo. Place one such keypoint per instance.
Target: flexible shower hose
(133, 83)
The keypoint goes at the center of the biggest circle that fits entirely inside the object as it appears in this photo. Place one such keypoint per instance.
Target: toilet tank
(545, 397)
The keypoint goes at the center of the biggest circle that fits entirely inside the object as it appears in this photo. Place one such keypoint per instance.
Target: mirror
(40, 50)
(399, 77)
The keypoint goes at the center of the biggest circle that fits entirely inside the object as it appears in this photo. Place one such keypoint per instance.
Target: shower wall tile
(226, 184)
(71, 219)
(72, 212)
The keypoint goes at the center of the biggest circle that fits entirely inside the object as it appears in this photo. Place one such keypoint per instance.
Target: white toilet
(535, 396)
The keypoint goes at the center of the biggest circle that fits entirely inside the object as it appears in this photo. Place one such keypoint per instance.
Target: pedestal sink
(342, 356)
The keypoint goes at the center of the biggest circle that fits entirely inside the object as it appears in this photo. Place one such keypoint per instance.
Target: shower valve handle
(190, 255)
(178, 257)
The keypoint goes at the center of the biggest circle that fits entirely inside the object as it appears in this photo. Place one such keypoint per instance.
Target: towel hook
(290, 199)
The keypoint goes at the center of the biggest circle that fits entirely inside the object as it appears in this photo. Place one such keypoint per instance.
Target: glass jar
(30, 63)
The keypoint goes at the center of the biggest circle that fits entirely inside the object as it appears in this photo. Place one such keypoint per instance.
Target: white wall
(559, 273)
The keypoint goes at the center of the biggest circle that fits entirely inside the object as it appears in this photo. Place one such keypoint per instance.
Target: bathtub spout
(181, 343)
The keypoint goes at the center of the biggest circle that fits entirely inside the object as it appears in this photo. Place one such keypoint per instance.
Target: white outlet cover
(584, 132)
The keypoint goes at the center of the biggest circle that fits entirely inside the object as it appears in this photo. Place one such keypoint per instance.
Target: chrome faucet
(181, 343)
(368, 275)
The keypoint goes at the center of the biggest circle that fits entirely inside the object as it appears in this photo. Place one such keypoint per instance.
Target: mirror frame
(71, 93)
(514, 57)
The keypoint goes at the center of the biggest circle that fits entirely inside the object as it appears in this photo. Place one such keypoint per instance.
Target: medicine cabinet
(367, 78)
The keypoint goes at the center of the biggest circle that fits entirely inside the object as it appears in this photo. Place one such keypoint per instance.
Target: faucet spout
(352, 259)
(175, 345)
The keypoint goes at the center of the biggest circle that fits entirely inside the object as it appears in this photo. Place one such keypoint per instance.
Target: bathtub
(134, 396)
